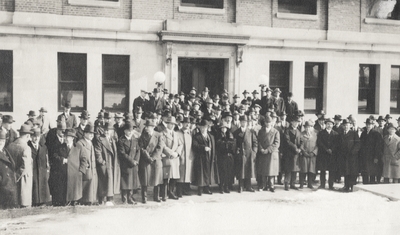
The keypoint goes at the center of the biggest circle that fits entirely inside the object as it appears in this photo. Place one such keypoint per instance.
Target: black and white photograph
(199, 117)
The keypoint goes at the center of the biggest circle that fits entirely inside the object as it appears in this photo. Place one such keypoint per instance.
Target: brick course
(7, 5)
(344, 15)
(254, 12)
(124, 11)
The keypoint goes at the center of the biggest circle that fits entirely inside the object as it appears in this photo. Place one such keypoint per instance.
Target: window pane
(115, 98)
(314, 86)
(366, 92)
(298, 6)
(6, 80)
(279, 75)
(395, 90)
(116, 82)
(115, 69)
(72, 67)
(204, 3)
(72, 93)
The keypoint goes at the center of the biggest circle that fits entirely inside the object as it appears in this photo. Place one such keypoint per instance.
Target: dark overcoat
(268, 164)
(8, 184)
(150, 164)
(185, 157)
(292, 144)
(108, 168)
(349, 147)
(371, 149)
(41, 172)
(129, 156)
(326, 141)
(246, 144)
(226, 149)
(71, 120)
(205, 168)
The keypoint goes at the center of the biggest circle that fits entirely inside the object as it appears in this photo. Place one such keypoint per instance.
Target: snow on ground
(304, 212)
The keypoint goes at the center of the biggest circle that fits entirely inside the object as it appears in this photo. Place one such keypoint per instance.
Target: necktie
(390, 138)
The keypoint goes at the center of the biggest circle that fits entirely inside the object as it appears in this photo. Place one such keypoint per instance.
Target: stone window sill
(201, 10)
(292, 16)
(382, 21)
(95, 3)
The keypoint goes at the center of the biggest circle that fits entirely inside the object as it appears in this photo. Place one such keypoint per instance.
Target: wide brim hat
(337, 117)
(170, 120)
(70, 132)
(84, 115)
(330, 120)
(129, 126)
(388, 116)
(156, 90)
(25, 129)
(243, 118)
(295, 119)
(89, 128)
(277, 90)
(43, 109)
(255, 92)
(390, 125)
(345, 121)
(308, 124)
(236, 96)
(32, 113)
(150, 123)
(226, 114)
(380, 118)
(203, 122)
(118, 115)
(369, 121)
(7, 119)
(245, 92)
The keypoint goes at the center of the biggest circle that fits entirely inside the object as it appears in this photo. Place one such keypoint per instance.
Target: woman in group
(226, 146)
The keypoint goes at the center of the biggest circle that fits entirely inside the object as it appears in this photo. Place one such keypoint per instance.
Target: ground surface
(282, 212)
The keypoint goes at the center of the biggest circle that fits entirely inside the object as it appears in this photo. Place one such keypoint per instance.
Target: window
(6, 81)
(314, 87)
(204, 3)
(367, 87)
(279, 76)
(72, 75)
(384, 9)
(116, 83)
(395, 90)
(298, 6)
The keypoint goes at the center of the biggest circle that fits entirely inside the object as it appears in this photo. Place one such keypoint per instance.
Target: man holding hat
(140, 100)
(349, 146)
(11, 134)
(88, 168)
(84, 120)
(54, 139)
(205, 167)
(371, 152)
(70, 166)
(22, 156)
(185, 159)
(70, 118)
(44, 120)
(8, 176)
(129, 155)
(108, 167)
(247, 145)
(41, 168)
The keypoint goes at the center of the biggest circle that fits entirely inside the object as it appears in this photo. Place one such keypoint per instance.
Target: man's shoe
(226, 190)
(272, 189)
(207, 191)
(286, 187)
(132, 201)
(250, 189)
(310, 186)
(240, 190)
(109, 203)
(171, 195)
(294, 187)
(321, 187)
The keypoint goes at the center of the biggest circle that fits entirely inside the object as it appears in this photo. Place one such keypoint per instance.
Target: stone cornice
(176, 36)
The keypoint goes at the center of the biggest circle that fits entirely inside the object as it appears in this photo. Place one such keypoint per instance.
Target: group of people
(170, 142)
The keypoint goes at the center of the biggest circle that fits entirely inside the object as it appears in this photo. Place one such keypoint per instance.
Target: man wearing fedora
(88, 168)
(338, 123)
(138, 119)
(6, 126)
(279, 102)
(371, 153)
(292, 137)
(156, 102)
(140, 100)
(129, 155)
(31, 118)
(291, 106)
(22, 156)
(44, 120)
(119, 125)
(54, 139)
(391, 156)
(41, 168)
(348, 150)
(381, 127)
(309, 152)
(84, 120)
(205, 166)
(8, 177)
(70, 118)
(267, 101)
(70, 166)
(246, 150)
(108, 167)
(255, 100)
(171, 150)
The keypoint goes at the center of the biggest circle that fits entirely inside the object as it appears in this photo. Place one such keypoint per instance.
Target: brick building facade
(337, 55)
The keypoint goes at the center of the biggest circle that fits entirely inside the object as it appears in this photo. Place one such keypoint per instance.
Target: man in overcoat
(84, 120)
(391, 156)
(268, 155)
(70, 118)
(205, 168)
(44, 120)
(108, 168)
(8, 177)
(349, 146)
(308, 155)
(185, 159)
(292, 142)
(129, 155)
(22, 156)
(327, 142)
(246, 144)
(88, 168)
(6, 125)
(41, 169)
(371, 152)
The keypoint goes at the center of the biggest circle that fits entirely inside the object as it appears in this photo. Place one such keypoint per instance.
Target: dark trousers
(265, 181)
(310, 178)
(246, 183)
(349, 181)
(290, 177)
(144, 193)
(125, 195)
(370, 179)
(331, 179)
